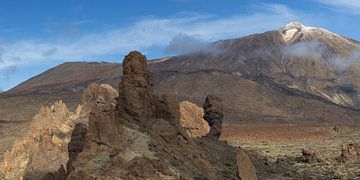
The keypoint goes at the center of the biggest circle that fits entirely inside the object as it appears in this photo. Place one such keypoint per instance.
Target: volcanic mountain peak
(295, 24)
(295, 30)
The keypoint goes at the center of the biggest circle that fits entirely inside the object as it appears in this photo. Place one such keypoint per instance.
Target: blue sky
(39, 34)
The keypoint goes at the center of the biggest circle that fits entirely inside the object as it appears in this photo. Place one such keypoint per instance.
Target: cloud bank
(316, 50)
(310, 50)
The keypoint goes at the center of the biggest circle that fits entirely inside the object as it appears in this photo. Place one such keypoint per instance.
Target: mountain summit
(297, 32)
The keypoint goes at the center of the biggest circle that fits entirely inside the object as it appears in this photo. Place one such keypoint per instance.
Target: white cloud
(315, 50)
(143, 34)
(347, 6)
(309, 49)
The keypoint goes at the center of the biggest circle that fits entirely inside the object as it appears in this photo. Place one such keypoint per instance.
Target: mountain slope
(300, 57)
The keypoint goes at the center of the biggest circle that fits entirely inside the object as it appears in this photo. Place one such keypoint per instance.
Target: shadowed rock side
(213, 109)
(142, 138)
(191, 119)
(76, 145)
(43, 153)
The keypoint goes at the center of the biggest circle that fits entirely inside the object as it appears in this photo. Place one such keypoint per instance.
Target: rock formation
(136, 88)
(142, 138)
(134, 136)
(44, 148)
(213, 109)
(349, 152)
(54, 138)
(191, 119)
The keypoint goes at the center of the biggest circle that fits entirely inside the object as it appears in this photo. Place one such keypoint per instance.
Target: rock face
(213, 109)
(309, 156)
(142, 138)
(349, 152)
(54, 138)
(191, 119)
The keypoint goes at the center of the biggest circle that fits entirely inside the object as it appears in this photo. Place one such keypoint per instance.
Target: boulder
(191, 119)
(349, 152)
(246, 169)
(308, 156)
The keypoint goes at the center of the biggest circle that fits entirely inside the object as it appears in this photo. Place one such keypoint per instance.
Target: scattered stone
(213, 109)
(308, 156)
(336, 129)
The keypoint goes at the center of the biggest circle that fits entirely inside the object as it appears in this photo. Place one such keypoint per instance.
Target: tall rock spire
(136, 87)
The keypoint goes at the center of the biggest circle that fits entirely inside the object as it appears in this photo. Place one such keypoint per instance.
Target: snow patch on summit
(290, 31)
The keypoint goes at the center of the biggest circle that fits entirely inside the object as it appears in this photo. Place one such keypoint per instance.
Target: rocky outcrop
(191, 119)
(142, 137)
(94, 96)
(349, 152)
(54, 138)
(213, 109)
(308, 156)
(44, 148)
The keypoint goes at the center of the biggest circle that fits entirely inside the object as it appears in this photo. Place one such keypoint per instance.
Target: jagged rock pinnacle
(136, 87)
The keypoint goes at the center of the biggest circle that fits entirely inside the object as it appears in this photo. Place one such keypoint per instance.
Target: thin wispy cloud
(85, 21)
(143, 34)
(345, 6)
